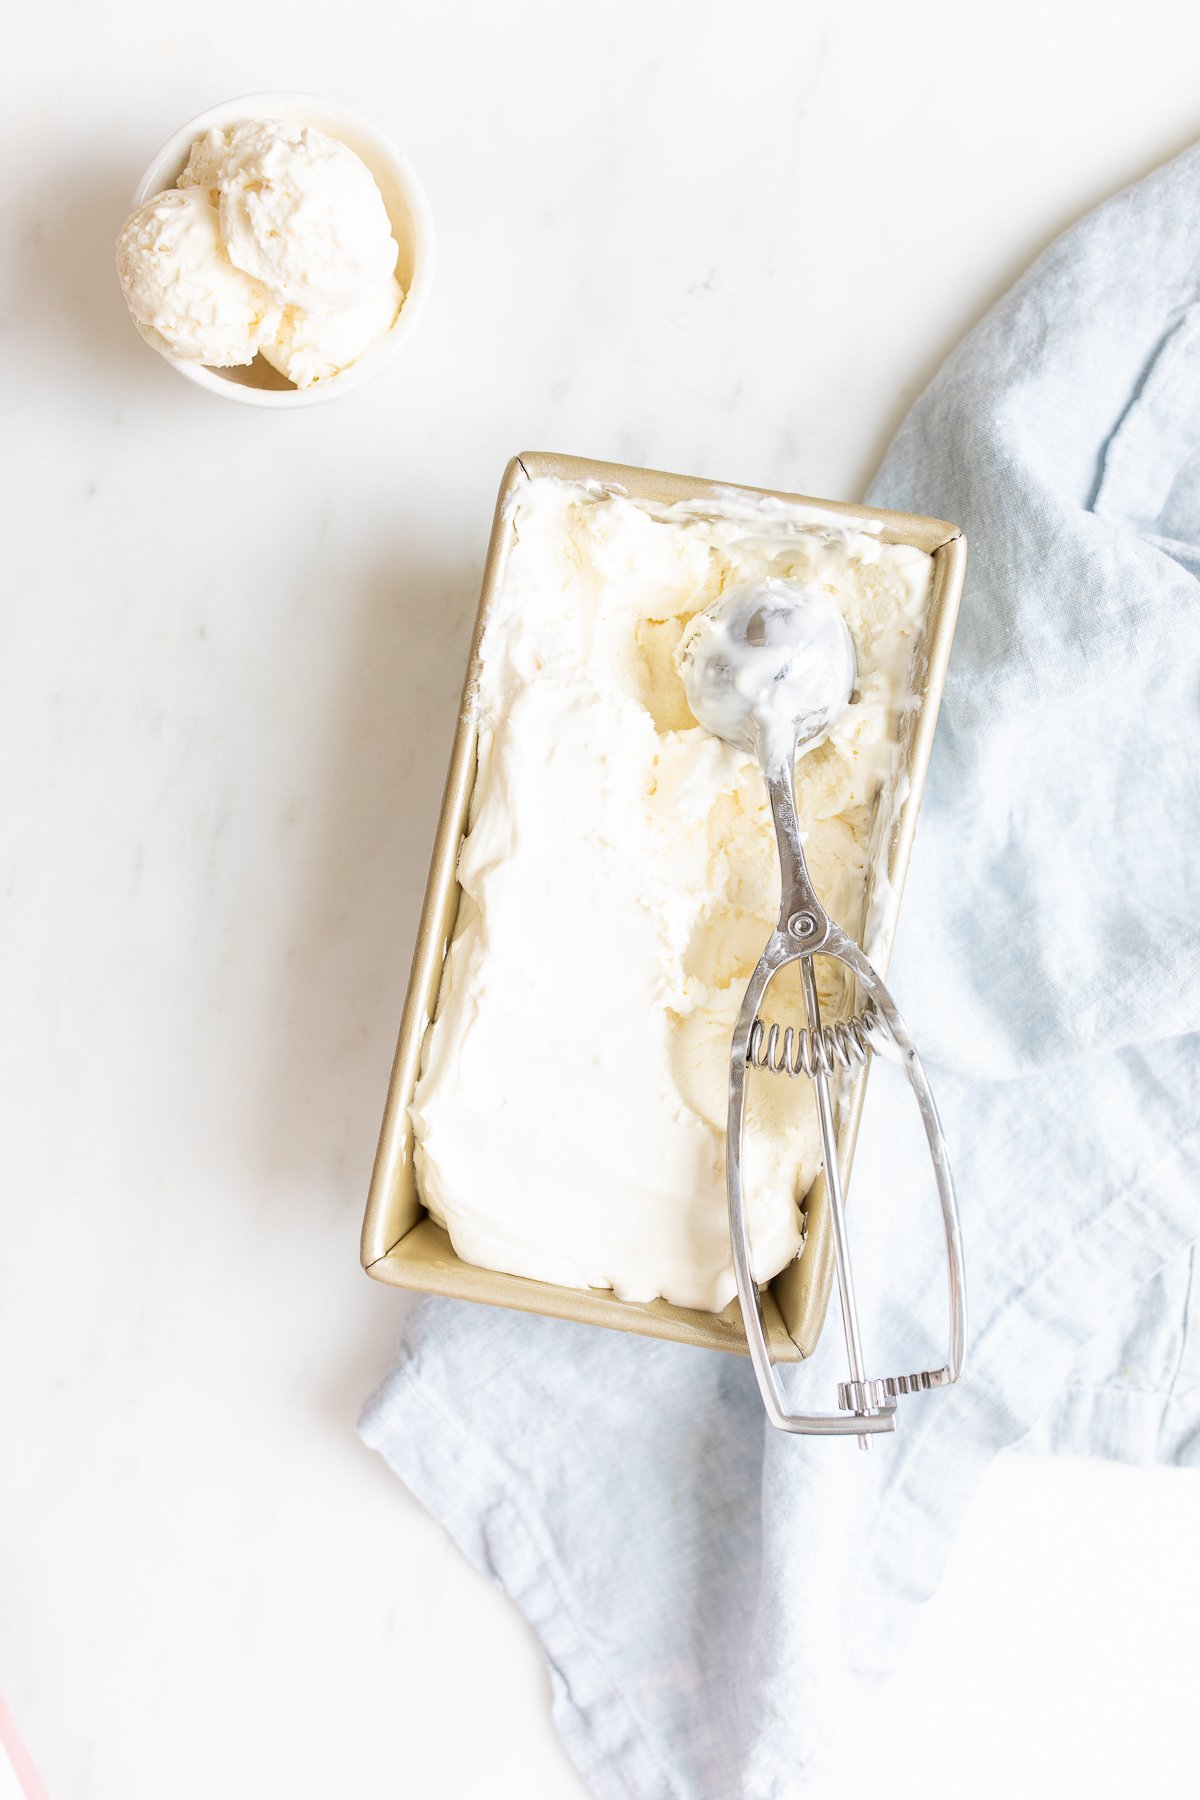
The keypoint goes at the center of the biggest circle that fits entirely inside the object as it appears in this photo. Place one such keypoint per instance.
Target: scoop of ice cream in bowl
(279, 250)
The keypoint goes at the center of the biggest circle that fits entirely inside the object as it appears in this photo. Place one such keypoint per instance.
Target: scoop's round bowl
(768, 666)
(407, 208)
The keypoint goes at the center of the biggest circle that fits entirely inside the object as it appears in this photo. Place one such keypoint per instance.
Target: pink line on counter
(19, 1757)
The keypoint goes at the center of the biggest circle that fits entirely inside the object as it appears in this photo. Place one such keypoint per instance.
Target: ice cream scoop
(186, 297)
(299, 211)
(311, 347)
(321, 201)
(769, 667)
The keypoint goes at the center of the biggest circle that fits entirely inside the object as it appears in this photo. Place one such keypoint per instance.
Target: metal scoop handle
(868, 1405)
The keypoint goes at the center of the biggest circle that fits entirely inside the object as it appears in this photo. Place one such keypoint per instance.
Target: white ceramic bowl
(407, 208)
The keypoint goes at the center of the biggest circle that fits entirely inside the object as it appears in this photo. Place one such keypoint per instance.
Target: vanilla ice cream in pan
(603, 879)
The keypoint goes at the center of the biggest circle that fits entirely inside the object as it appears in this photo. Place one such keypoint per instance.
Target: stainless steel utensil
(769, 667)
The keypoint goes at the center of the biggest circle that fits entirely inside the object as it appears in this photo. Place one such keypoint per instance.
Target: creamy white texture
(311, 347)
(619, 882)
(186, 297)
(276, 241)
(299, 211)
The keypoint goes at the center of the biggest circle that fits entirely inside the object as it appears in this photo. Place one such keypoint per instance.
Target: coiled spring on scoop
(801, 1051)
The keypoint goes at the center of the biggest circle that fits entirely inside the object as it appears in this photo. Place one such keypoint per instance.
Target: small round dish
(258, 384)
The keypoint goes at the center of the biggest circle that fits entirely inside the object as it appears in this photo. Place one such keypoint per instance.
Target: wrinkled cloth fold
(714, 1599)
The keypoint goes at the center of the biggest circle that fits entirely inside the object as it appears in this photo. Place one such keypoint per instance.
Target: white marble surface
(729, 240)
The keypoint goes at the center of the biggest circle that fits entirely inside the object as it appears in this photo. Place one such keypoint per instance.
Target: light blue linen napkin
(712, 1597)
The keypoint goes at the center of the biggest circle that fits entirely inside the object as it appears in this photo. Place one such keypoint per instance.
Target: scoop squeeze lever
(769, 667)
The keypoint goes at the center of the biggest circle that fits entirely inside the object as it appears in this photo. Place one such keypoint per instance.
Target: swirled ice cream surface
(619, 881)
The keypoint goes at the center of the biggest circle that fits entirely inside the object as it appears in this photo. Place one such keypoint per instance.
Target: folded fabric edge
(1089, 1261)
(427, 1447)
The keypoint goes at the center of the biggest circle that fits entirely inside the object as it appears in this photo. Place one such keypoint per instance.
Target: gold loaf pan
(400, 1242)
